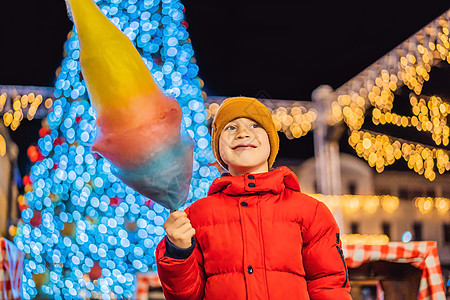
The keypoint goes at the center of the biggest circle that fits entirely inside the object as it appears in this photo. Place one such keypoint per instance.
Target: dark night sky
(285, 49)
(282, 50)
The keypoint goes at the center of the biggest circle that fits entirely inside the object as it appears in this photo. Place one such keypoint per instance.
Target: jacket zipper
(345, 266)
(261, 239)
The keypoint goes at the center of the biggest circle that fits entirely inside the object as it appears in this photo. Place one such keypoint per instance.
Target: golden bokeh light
(365, 239)
(390, 203)
(424, 204)
(20, 104)
(2, 146)
(442, 204)
(294, 121)
(353, 203)
(376, 85)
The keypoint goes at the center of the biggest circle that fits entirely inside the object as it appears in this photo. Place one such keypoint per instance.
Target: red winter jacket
(258, 237)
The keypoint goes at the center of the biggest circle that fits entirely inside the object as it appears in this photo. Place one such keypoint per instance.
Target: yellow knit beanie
(244, 107)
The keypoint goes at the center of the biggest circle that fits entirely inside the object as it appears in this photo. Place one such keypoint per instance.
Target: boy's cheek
(225, 156)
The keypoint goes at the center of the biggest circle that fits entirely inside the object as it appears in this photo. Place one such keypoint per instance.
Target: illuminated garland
(408, 64)
(430, 114)
(294, 118)
(426, 204)
(25, 103)
(370, 203)
(365, 239)
(13, 114)
(353, 203)
(381, 150)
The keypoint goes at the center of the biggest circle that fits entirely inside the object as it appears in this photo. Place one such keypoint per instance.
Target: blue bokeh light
(406, 237)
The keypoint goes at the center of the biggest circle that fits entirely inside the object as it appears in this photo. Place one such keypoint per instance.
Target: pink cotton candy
(130, 136)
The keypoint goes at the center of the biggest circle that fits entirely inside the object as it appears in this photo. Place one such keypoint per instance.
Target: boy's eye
(255, 125)
(230, 127)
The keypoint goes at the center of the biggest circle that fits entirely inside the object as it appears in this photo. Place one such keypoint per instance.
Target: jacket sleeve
(323, 259)
(181, 278)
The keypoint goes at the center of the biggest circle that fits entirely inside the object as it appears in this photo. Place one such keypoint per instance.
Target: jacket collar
(275, 181)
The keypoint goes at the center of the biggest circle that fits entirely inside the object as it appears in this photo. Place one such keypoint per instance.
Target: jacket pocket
(341, 253)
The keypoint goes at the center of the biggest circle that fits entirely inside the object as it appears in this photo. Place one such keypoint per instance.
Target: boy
(255, 236)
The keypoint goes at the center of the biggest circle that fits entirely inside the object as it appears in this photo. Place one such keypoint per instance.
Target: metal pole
(326, 150)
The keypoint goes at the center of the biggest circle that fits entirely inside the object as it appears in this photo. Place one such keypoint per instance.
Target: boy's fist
(179, 229)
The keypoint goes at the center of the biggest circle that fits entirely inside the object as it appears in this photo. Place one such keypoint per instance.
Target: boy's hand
(179, 229)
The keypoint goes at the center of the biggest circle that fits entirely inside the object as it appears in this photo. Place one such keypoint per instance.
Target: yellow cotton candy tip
(113, 69)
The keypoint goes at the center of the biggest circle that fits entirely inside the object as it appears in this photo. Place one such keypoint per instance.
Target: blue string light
(80, 215)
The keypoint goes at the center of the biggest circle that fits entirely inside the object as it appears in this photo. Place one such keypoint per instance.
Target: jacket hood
(275, 181)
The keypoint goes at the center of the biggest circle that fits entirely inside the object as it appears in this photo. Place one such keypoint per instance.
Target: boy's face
(244, 147)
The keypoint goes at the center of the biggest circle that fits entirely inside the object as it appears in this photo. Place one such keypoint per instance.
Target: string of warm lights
(382, 150)
(15, 107)
(365, 239)
(370, 203)
(430, 114)
(353, 203)
(426, 204)
(21, 106)
(408, 64)
(294, 118)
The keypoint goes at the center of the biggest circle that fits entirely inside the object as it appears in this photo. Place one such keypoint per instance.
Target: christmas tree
(84, 232)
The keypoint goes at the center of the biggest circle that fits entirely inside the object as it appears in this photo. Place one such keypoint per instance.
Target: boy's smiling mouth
(243, 147)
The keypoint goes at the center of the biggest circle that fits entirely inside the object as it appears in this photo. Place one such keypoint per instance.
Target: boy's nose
(243, 133)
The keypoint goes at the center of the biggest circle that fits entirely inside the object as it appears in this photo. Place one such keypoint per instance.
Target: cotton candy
(139, 127)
